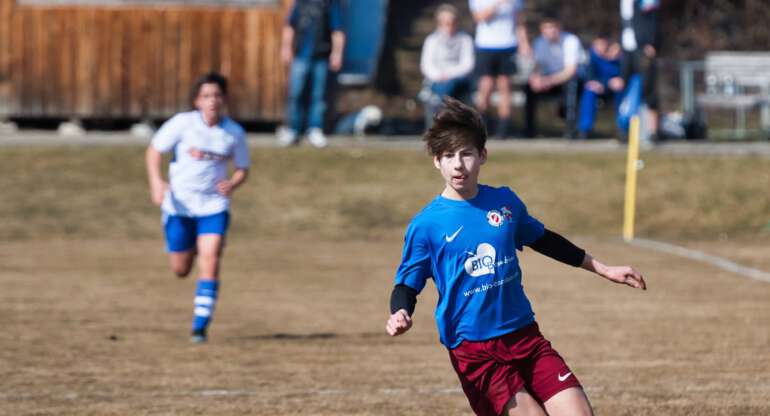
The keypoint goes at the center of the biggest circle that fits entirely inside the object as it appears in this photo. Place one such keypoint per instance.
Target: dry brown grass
(91, 192)
(99, 327)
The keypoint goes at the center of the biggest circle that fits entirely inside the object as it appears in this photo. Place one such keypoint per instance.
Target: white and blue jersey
(469, 249)
(199, 162)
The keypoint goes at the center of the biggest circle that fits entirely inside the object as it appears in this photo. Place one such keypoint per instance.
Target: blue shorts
(182, 232)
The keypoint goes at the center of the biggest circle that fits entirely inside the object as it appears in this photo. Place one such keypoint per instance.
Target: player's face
(210, 101)
(460, 170)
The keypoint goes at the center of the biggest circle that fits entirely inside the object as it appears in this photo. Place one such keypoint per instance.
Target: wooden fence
(106, 61)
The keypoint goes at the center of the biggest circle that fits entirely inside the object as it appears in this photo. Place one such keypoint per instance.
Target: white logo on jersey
(494, 218)
(482, 262)
(450, 238)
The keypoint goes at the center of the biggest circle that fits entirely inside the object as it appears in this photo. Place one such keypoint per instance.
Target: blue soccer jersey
(469, 249)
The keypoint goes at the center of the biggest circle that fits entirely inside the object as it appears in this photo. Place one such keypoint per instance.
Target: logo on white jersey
(495, 218)
(482, 262)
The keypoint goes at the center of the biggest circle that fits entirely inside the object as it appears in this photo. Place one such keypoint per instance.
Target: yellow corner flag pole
(631, 166)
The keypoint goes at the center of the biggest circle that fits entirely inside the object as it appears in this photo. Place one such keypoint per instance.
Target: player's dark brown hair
(209, 78)
(455, 125)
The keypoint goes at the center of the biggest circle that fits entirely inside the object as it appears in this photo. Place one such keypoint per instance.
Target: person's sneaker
(286, 136)
(198, 336)
(316, 137)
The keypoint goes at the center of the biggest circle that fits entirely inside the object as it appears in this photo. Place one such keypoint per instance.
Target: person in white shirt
(558, 55)
(446, 61)
(500, 34)
(195, 201)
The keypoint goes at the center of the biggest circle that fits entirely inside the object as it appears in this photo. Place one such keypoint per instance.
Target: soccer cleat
(316, 137)
(198, 336)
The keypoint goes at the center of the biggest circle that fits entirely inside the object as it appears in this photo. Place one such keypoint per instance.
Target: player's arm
(240, 158)
(559, 248)
(158, 186)
(411, 276)
(402, 302)
(625, 275)
(228, 186)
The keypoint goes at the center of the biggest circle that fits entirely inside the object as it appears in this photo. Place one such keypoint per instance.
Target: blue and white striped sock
(205, 300)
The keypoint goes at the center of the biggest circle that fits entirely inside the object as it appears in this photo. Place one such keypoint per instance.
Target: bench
(732, 80)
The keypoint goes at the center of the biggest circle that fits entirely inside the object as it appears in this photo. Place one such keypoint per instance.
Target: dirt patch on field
(100, 328)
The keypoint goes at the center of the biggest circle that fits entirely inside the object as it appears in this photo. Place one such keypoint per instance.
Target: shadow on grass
(284, 336)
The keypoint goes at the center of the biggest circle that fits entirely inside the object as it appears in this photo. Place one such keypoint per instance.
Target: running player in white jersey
(195, 201)
(466, 241)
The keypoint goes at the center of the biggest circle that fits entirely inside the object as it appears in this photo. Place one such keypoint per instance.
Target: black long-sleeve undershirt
(403, 297)
(559, 248)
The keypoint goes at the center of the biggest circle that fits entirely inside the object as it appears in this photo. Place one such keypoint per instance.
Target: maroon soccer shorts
(492, 371)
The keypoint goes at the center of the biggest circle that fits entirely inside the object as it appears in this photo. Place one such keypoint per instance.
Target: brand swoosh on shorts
(564, 377)
(451, 238)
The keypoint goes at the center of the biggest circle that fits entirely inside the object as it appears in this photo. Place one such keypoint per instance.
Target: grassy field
(94, 323)
(92, 192)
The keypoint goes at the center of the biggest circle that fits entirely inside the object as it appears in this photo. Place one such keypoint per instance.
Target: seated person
(604, 81)
(446, 61)
(557, 55)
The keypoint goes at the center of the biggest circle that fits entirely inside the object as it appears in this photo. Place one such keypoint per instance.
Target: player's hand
(158, 191)
(398, 323)
(225, 188)
(625, 275)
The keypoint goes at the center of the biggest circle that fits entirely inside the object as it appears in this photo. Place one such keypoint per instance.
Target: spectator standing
(500, 33)
(557, 55)
(446, 61)
(641, 42)
(603, 81)
(312, 44)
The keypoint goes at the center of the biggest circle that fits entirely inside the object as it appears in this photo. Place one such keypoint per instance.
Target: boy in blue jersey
(466, 241)
(195, 202)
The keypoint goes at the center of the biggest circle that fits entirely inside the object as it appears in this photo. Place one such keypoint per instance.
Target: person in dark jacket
(312, 44)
